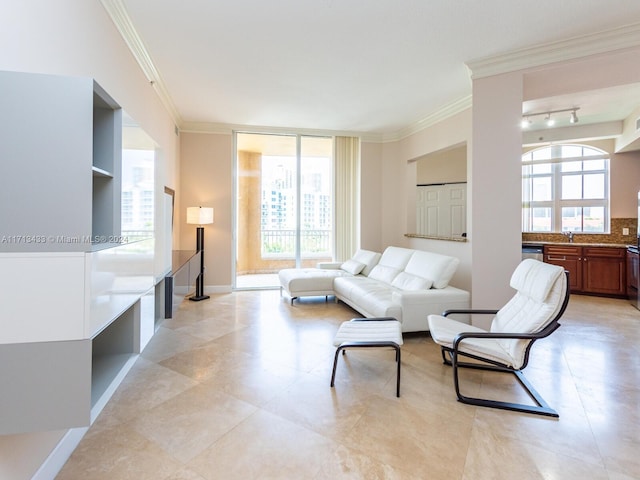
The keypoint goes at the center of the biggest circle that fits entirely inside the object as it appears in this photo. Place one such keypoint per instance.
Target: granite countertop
(575, 244)
(435, 237)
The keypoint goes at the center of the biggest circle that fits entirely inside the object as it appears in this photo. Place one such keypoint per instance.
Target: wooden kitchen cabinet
(605, 270)
(592, 270)
(570, 258)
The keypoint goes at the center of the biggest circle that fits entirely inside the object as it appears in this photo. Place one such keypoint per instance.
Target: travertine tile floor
(237, 387)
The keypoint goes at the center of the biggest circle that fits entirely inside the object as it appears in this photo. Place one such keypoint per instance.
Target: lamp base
(197, 298)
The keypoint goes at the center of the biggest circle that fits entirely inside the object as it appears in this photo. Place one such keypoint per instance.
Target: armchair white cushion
(524, 313)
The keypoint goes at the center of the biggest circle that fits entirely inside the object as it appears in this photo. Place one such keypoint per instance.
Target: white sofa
(403, 283)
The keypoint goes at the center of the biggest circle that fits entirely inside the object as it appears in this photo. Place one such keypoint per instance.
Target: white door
(442, 210)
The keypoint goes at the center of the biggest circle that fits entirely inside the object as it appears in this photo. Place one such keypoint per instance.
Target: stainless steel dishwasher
(533, 251)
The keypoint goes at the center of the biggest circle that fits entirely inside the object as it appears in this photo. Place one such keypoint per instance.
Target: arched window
(565, 188)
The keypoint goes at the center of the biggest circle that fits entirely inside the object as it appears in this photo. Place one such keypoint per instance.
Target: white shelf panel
(118, 277)
(99, 172)
(43, 297)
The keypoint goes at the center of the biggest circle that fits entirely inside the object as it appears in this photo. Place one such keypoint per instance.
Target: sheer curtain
(347, 196)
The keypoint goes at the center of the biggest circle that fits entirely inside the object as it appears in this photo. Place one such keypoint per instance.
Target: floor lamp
(200, 216)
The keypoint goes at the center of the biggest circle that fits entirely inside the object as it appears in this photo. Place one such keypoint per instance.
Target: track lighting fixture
(549, 120)
(573, 118)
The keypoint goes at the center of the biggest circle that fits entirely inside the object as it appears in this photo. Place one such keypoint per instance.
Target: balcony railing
(282, 243)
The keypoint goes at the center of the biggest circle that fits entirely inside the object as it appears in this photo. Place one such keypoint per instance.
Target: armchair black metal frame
(541, 407)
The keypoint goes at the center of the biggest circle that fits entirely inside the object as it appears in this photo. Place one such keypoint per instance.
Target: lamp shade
(199, 215)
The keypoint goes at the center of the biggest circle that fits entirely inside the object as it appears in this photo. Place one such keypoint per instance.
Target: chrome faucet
(570, 235)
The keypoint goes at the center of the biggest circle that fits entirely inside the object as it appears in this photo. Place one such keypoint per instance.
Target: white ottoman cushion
(301, 280)
(369, 331)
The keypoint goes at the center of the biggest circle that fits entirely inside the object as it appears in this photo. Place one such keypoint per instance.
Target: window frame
(555, 160)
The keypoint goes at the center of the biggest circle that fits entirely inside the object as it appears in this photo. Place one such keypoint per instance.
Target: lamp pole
(200, 216)
(200, 280)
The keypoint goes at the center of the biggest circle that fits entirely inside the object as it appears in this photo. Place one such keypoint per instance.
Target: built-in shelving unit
(106, 166)
(113, 352)
(70, 319)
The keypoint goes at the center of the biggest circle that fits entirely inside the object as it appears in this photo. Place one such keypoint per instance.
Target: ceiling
(374, 66)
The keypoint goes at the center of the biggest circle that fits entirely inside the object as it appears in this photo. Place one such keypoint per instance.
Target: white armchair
(542, 295)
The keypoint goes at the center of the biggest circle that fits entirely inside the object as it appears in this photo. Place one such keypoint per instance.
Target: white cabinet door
(441, 210)
(43, 297)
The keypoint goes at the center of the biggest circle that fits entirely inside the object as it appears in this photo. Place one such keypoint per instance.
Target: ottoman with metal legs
(384, 332)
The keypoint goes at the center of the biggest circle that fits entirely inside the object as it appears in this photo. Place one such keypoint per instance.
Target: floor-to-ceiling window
(284, 205)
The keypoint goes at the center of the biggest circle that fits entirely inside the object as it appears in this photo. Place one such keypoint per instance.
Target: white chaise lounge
(317, 282)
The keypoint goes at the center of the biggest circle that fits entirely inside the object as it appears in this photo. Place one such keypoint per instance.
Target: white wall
(496, 187)
(389, 179)
(76, 37)
(207, 180)
(371, 182)
(444, 166)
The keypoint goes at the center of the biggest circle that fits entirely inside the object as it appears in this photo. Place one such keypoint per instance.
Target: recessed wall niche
(441, 184)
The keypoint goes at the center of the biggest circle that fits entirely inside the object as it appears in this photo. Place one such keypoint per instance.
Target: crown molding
(228, 129)
(118, 13)
(444, 112)
(207, 127)
(591, 44)
(441, 114)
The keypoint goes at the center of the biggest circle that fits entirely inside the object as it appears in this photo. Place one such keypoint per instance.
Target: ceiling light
(527, 122)
(573, 118)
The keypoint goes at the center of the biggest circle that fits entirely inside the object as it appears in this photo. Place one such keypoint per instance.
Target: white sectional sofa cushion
(432, 266)
(352, 266)
(405, 284)
(402, 283)
(369, 258)
(307, 282)
(406, 281)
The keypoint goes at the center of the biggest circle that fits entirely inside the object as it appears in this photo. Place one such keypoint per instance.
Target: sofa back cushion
(384, 273)
(352, 266)
(407, 281)
(432, 266)
(396, 257)
(392, 262)
(368, 258)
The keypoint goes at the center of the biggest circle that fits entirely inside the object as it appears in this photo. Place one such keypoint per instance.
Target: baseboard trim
(60, 454)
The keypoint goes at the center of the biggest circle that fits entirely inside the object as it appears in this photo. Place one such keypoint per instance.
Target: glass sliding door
(284, 205)
(315, 224)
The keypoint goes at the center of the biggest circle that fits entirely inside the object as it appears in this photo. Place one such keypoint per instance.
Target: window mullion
(556, 212)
